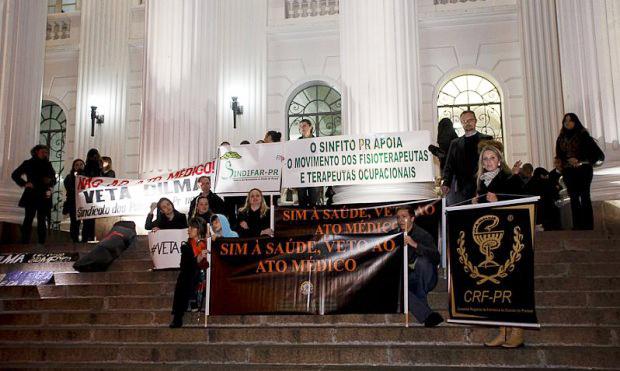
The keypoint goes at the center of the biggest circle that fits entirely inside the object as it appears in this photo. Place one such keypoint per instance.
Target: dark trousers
(88, 230)
(185, 288)
(422, 280)
(74, 228)
(42, 214)
(578, 181)
(308, 197)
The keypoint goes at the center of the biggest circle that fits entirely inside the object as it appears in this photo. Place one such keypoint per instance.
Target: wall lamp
(237, 110)
(94, 118)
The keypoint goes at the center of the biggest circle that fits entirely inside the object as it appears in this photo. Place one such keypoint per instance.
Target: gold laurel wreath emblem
(503, 270)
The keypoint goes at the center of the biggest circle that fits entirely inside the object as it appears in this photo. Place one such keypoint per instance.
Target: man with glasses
(459, 173)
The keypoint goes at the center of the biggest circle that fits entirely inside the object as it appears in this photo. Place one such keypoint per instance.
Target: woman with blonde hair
(494, 180)
(495, 177)
(254, 216)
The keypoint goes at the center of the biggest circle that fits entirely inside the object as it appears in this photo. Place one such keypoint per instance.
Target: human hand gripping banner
(358, 159)
(102, 197)
(491, 263)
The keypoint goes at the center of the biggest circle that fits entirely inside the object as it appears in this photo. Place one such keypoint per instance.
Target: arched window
(319, 103)
(52, 134)
(475, 93)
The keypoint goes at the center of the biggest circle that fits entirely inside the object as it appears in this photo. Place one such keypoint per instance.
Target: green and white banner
(242, 168)
(358, 159)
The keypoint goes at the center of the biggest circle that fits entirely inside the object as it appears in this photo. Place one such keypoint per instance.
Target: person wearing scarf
(495, 179)
(193, 260)
(578, 152)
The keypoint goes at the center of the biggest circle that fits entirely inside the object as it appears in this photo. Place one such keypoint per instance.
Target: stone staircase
(119, 318)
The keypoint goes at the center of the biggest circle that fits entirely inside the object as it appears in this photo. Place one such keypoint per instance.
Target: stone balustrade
(311, 8)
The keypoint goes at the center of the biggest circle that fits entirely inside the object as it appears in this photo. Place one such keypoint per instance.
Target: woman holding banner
(254, 216)
(193, 260)
(167, 217)
(77, 168)
(494, 178)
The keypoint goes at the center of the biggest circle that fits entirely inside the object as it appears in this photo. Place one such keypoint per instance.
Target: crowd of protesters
(464, 178)
(473, 169)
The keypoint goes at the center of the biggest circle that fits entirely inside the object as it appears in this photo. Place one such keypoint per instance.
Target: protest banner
(356, 218)
(324, 260)
(307, 274)
(241, 168)
(491, 263)
(165, 247)
(26, 278)
(28, 258)
(103, 197)
(358, 159)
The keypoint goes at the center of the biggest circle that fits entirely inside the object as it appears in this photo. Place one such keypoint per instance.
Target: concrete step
(160, 317)
(319, 354)
(122, 299)
(379, 335)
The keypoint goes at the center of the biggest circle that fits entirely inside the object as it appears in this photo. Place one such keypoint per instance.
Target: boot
(499, 340)
(515, 339)
(177, 321)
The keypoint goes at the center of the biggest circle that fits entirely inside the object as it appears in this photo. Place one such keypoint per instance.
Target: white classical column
(180, 88)
(22, 53)
(379, 64)
(589, 36)
(243, 72)
(380, 82)
(541, 66)
(102, 78)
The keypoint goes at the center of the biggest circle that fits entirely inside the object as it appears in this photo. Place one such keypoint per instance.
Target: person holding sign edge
(423, 258)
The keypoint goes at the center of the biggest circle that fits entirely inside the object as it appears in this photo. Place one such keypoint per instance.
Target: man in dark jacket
(423, 258)
(216, 204)
(37, 196)
(462, 161)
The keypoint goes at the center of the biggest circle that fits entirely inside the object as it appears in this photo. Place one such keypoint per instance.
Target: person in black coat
(254, 216)
(167, 217)
(308, 196)
(216, 204)
(92, 169)
(77, 168)
(423, 257)
(547, 213)
(202, 209)
(37, 196)
(193, 259)
(459, 173)
(578, 152)
(494, 178)
(445, 135)
(106, 167)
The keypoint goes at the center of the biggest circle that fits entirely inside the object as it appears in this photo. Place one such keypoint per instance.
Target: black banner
(357, 219)
(491, 263)
(324, 260)
(307, 274)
